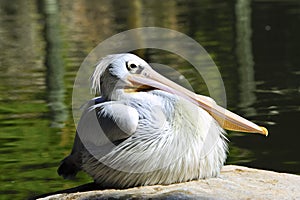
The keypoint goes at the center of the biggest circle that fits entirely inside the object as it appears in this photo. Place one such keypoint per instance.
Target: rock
(235, 182)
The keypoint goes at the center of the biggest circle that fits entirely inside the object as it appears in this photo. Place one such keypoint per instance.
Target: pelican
(145, 129)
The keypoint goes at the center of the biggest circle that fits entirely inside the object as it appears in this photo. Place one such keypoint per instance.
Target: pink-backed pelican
(145, 129)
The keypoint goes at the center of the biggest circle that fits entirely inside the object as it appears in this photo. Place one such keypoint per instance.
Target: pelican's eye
(133, 67)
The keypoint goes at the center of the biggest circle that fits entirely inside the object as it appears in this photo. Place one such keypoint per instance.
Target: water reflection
(254, 43)
(245, 56)
(277, 85)
(54, 63)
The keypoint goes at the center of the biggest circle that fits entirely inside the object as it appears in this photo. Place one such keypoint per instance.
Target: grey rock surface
(235, 182)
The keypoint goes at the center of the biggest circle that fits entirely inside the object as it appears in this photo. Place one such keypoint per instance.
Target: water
(255, 45)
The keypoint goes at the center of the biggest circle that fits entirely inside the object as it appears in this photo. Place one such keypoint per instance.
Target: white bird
(146, 129)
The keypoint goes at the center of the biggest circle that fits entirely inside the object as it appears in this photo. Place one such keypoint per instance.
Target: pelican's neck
(153, 102)
(118, 95)
(115, 95)
(147, 102)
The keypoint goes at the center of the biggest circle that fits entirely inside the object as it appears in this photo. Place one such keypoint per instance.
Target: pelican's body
(133, 135)
(166, 147)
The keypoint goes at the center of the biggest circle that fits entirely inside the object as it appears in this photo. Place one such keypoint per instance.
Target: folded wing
(103, 125)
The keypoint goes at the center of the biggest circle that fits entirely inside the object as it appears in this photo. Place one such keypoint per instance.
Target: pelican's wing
(100, 128)
(107, 122)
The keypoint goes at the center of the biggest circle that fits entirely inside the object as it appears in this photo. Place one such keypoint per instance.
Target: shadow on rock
(81, 188)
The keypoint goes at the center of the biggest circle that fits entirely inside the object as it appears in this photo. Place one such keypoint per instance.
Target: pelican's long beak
(227, 119)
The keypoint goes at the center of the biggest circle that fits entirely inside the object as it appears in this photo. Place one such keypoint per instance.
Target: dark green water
(255, 44)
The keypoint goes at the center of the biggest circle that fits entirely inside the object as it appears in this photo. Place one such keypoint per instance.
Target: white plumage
(144, 129)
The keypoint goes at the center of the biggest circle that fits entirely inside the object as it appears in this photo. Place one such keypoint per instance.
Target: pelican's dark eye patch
(133, 67)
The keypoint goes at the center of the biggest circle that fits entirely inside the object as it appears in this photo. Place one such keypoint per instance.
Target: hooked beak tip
(264, 131)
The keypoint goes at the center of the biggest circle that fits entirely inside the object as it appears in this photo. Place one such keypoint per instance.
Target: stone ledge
(235, 182)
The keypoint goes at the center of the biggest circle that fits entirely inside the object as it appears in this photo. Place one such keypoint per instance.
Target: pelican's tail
(69, 167)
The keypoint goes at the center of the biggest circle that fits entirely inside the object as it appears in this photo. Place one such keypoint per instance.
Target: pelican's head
(113, 72)
(130, 73)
